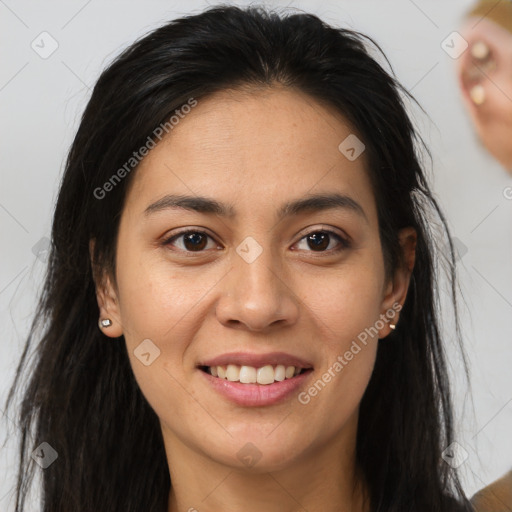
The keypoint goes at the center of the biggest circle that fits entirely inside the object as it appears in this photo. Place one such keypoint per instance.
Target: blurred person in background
(485, 78)
(485, 75)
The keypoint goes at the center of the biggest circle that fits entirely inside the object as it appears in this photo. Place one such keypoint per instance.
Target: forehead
(255, 147)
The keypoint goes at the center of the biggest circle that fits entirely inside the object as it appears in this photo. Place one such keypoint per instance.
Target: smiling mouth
(265, 375)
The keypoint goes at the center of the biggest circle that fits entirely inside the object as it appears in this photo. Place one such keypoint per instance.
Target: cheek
(348, 301)
(349, 346)
(346, 313)
(350, 319)
(161, 307)
(159, 312)
(155, 301)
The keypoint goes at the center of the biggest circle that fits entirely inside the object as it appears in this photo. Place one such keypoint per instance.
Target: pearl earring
(477, 94)
(480, 50)
(104, 322)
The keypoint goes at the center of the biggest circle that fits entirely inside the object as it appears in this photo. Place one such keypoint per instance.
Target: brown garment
(496, 497)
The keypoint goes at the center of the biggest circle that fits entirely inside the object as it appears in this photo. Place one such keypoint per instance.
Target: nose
(257, 295)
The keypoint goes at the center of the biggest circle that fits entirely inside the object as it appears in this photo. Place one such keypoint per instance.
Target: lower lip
(257, 395)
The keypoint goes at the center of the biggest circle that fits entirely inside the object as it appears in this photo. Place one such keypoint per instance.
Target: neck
(320, 479)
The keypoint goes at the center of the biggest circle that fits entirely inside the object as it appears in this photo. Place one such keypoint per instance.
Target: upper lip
(257, 360)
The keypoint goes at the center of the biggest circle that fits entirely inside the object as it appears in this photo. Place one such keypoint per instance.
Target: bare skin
(254, 150)
(489, 76)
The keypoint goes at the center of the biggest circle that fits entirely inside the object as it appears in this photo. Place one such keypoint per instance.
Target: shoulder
(496, 497)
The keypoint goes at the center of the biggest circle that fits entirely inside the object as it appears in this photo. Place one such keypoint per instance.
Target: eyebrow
(309, 203)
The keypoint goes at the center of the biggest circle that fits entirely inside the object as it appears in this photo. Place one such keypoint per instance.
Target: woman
(241, 310)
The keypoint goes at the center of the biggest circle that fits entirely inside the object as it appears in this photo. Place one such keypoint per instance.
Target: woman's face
(252, 288)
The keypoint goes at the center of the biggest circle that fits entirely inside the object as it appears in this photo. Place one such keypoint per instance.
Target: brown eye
(319, 241)
(192, 241)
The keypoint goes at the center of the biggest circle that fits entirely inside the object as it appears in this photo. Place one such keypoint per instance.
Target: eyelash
(343, 242)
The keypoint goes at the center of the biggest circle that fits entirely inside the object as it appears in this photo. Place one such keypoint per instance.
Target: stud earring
(480, 50)
(477, 94)
(104, 322)
(392, 326)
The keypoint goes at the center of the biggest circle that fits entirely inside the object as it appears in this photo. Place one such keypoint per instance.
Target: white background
(41, 101)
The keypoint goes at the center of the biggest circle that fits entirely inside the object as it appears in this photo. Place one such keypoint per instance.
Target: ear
(396, 288)
(106, 297)
(484, 68)
(476, 68)
(485, 78)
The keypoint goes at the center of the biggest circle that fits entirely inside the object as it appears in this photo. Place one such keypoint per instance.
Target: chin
(258, 454)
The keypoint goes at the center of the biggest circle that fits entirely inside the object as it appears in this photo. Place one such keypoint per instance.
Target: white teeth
(247, 375)
(280, 372)
(267, 374)
(233, 373)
